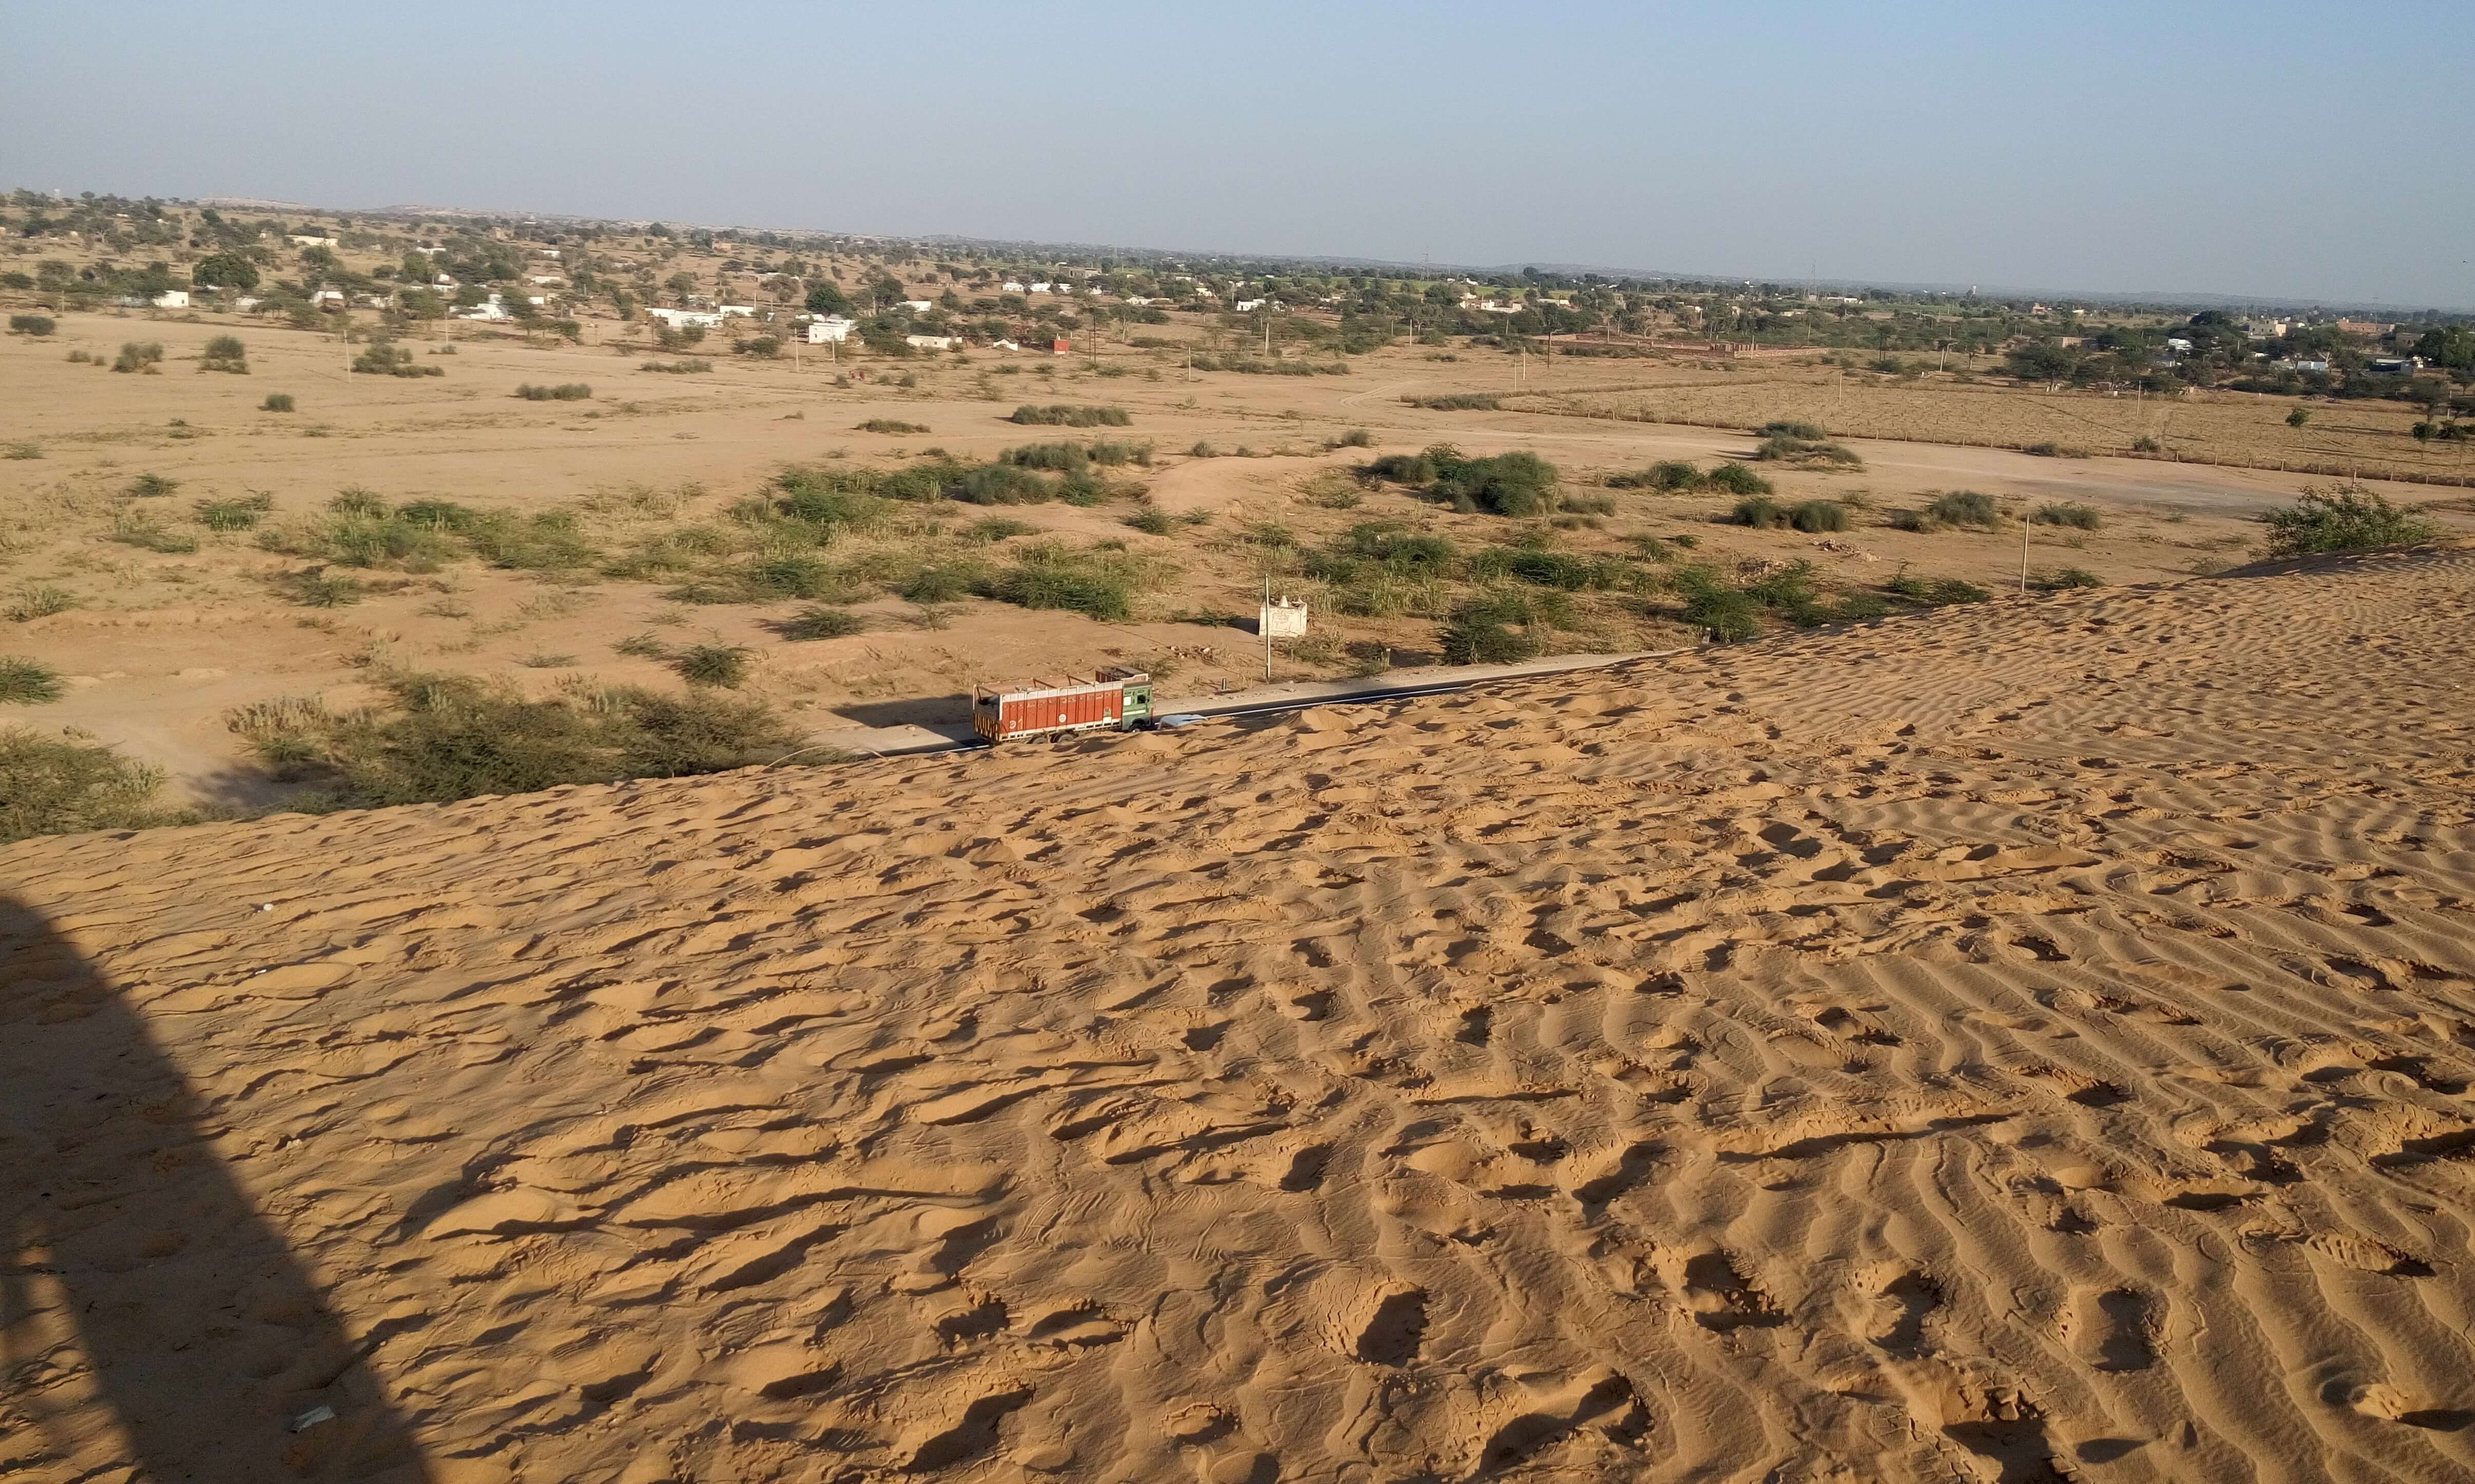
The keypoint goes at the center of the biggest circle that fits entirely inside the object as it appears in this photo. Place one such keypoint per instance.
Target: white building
(171, 299)
(1043, 288)
(680, 319)
(742, 311)
(1009, 286)
(311, 239)
(932, 342)
(545, 281)
(1136, 300)
(832, 330)
(1249, 306)
(322, 298)
(918, 306)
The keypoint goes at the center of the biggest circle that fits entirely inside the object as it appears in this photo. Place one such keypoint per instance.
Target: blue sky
(2311, 152)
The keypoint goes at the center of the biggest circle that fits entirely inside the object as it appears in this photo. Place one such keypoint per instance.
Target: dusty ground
(161, 646)
(2025, 1042)
(2243, 429)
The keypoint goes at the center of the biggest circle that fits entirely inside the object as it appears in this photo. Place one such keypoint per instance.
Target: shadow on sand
(149, 1316)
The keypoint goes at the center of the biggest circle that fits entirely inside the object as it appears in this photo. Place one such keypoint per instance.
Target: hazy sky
(2311, 151)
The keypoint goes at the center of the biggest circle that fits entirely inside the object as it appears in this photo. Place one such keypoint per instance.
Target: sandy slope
(2027, 1042)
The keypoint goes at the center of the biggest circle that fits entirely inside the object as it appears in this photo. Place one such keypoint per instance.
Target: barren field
(174, 550)
(2028, 1041)
(2348, 439)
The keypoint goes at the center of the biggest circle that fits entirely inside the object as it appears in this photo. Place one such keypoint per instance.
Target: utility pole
(1265, 624)
(2024, 523)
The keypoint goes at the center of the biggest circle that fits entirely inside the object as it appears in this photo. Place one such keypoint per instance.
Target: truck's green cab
(1138, 705)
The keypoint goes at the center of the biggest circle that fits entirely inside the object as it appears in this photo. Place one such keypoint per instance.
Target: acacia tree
(225, 270)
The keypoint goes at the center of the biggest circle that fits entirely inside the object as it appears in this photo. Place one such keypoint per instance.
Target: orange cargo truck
(1117, 697)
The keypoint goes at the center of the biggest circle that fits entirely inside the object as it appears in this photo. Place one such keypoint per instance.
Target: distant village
(768, 293)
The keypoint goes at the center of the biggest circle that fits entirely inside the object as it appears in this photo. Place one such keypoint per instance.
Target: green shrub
(56, 784)
(890, 426)
(2077, 515)
(2144, 444)
(232, 515)
(151, 486)
(29, 603)
(545, 541)
(2342, 518)
(25, 682)
(678, 368)
(712, 664)
(2063, 578)
(320, 589)
(355, 500)
(1059, 457)
(821, 623)
(2054, 451)
(1540, 568)
(1152, 520)
(1355, 438)
(1458, 401)
(224, 352)
(393, 361)
(788, 576)
(829, 502)
(145, 531)
(997, 528)
(1815, 516)
(1760, 511)
(276, 401)
(1058, 414)
(644, 645)
(1000, 484)
(1783, 447)
(1735, 479)
(1492, 629)
(24, 450)
(443, 738)
(1402, 469)
(1965, 507)
(1084, 583)
(1669, 476)
(565, 391)
(1507, 484)
(135, 356)
(1727, 614)
(34, 324)
(1811, 432)
(942, 582)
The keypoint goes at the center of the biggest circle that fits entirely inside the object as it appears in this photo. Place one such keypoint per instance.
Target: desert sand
(2021, 1043)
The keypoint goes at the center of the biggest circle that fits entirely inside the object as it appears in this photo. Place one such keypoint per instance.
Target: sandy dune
(2027, 1042)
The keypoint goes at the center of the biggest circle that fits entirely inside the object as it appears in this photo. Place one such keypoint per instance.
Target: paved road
(1424, 680)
